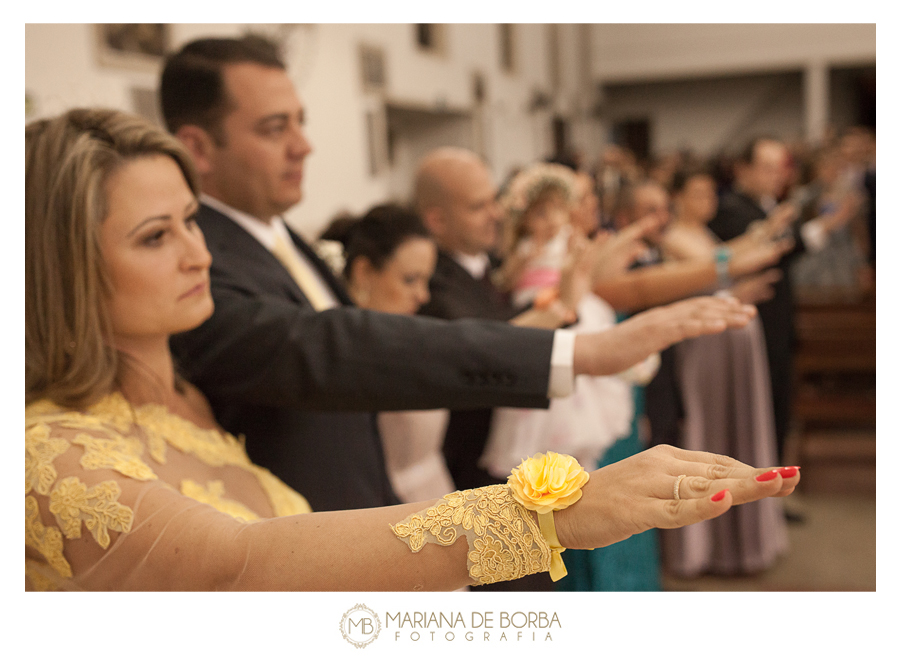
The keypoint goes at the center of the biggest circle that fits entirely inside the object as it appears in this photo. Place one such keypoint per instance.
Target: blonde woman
(131, 484)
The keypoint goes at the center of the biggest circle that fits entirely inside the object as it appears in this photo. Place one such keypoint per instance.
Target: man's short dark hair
(192, 89)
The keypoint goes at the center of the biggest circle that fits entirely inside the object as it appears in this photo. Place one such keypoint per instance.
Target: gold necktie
(302, 273)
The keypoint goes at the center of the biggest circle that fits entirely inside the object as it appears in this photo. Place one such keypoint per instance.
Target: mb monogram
(360, 626)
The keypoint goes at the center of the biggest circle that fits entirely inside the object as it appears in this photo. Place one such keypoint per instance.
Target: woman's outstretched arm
(102, 530)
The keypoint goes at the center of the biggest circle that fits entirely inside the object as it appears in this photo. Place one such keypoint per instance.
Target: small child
(537, 231)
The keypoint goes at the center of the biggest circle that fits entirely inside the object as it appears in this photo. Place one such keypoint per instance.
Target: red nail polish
(765, 477)
(788, 471)
(719, 496)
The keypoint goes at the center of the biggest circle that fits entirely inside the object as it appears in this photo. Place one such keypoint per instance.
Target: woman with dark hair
(120, 448)
(388, 260)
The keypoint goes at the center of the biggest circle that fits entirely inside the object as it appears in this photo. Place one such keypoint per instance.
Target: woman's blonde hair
(69, 358)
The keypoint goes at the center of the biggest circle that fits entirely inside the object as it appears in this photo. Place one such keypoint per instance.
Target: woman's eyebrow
(192, 205)
(147, 221)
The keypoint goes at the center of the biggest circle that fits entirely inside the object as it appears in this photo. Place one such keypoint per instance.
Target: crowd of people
(774, 217)
(224, 405)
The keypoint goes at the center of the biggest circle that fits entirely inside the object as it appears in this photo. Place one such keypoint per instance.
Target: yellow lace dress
(114, 494)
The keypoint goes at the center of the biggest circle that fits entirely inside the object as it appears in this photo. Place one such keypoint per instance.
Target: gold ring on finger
(675, 492)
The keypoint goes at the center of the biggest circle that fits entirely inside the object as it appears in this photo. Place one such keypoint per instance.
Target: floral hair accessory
(332, 253)
(530, 183)
(548, 483)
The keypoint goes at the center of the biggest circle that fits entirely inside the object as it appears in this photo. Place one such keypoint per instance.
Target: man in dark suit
(760, 178)
(456, 197)
(285, 360)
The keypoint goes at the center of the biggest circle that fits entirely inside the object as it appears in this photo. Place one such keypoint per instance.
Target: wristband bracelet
(548, 483)
(548, 530)
(723, 256)
(504, 540)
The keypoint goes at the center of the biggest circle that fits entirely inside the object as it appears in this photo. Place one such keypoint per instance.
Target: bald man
(456, 196)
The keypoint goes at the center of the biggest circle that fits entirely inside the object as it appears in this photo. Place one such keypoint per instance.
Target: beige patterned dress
(114, 493)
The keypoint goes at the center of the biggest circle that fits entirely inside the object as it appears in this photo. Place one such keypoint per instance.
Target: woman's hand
(754, 256)
(506, 277)
(638, 493)
(758, 287)
(575, 275)
(778, 222)
(617, 252)
(630, 342)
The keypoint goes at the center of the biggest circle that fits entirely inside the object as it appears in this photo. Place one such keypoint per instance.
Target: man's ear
(201, 145)
(433, 218)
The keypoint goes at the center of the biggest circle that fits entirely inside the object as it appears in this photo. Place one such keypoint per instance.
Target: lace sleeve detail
(504, 540)
(69, 501)
(98, 517)
(110, 505)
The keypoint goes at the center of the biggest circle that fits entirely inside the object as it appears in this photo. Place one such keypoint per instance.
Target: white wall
(711, 86)
(630, 52)
(711, 114)
(61, 71)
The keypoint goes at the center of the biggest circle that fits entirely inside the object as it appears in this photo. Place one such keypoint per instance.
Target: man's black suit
(301, 386)
(735, 214)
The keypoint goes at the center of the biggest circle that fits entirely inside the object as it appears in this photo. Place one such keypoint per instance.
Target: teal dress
(632, 565)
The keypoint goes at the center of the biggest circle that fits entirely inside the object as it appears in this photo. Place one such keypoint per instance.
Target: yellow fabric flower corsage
(548, 483)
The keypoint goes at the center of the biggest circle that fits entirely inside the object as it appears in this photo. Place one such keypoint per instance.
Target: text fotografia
(475, 626)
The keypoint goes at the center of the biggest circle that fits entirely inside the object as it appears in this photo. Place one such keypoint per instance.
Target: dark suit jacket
(456, 294)
(302, 386)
